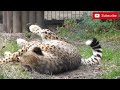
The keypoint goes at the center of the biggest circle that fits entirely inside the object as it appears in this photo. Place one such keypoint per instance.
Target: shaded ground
(15, 71)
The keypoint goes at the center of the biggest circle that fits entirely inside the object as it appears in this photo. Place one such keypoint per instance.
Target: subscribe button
(105, 15)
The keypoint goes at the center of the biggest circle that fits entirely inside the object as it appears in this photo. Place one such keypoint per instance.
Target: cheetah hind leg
(21, 42)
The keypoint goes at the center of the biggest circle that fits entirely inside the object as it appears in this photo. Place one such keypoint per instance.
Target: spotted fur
(97, 51)
(52, 55)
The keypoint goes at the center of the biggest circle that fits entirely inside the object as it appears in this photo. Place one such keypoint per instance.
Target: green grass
(111, 63)
(9, 46)
(14, 71)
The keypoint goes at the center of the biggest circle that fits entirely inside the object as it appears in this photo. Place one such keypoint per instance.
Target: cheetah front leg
(10, 57)
(20, 42)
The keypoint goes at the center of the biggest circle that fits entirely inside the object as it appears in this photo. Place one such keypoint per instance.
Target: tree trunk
(4, 21)
(25, 20)
(40, 18)
(17, 27)
(10, 21)
(32, 17)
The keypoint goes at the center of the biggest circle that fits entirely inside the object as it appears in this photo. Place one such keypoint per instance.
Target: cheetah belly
(66, 58)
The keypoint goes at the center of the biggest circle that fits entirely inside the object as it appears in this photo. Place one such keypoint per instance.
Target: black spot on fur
(45, 32)
(56, 37)
(38, 51)
(49, 33)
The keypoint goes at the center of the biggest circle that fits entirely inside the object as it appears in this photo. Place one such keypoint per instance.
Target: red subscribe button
(105, 15)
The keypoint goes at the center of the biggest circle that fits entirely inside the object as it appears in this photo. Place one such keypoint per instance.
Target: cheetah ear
(37, 50)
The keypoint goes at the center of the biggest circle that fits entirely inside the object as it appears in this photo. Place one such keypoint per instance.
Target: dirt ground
(83, 72)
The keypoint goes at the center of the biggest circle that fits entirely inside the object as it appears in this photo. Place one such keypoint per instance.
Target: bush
(70, 24)
(82, 28)
(91, 25)
(88, 24)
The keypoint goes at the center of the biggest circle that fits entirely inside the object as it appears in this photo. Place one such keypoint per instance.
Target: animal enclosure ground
(109, 67)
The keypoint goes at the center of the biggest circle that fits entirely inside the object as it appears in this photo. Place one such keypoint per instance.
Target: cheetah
(52, 56)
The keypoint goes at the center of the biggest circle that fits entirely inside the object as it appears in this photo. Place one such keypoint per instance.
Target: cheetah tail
(97, 53)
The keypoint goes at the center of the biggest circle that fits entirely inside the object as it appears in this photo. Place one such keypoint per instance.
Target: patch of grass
(9, 46)
(85, 51)
(111, 73)
(2, 76)
(27, 34)
(13, 71)
(109, 36)
(87, 28)
(9, 71)
(110, 63)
